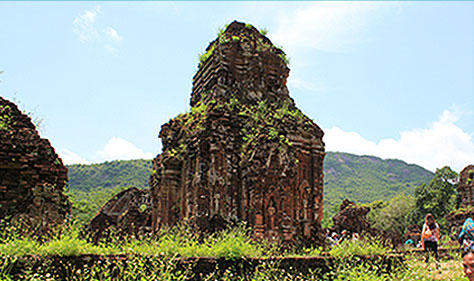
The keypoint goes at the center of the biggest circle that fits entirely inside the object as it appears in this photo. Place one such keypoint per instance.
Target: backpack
(467, 230)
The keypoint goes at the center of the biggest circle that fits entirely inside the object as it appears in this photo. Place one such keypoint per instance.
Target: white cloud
(70, 157)
(328, 26)
(112, 34)
(450, 116)
(111, 50)
(443, 143)
(84, 25)
(120, 149)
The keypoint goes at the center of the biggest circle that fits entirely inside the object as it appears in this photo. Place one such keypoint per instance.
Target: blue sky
(390, 79)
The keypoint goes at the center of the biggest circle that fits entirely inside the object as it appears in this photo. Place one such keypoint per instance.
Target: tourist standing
(430, 237)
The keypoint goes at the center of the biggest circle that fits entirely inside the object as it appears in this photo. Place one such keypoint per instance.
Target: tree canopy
(438, 197)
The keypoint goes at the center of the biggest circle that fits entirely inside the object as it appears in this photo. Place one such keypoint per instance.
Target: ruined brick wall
(32, 176)
(244, 152)
(413, 232)
(128, 212)
(466, 186)
(456, 218)
(353, 219)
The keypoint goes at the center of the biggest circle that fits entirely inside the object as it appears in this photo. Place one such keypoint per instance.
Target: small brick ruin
(465, 187)
(32, 176)
(244, 152)
(413, 232)
(353, 219)
(128, 212)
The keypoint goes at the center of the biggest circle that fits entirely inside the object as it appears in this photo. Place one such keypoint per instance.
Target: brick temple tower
(244, 152)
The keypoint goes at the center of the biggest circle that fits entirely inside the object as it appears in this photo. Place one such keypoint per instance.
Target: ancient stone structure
(456, 218)
(128, 212)
(466, 186)
(413, 232)
(244, 152)
(32, 176)
(351, 218)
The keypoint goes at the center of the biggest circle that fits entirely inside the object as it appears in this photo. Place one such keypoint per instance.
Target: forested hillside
(109, 174)
(358, 178)
(367, 178)
(91, 186)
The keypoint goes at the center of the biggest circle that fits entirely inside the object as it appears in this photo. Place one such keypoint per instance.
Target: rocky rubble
(32, 176)
(244, 152)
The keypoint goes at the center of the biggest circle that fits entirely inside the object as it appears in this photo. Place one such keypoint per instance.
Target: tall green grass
(368, 246)
(176, 241)
(153, 257)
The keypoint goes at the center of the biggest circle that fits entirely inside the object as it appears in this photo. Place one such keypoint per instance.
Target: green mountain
(358, 178)
(109, 175)
(367, 178)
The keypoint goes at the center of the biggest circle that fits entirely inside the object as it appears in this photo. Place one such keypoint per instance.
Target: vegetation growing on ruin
(204, 56)
(4, 117)
(261, 46)
(262, 120)
(284, 58)
(192, 123)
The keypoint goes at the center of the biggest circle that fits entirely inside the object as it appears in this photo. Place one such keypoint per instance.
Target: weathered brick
(20, 170)
(244, 152)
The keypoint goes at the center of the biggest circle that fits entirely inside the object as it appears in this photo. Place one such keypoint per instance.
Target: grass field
(154, 258)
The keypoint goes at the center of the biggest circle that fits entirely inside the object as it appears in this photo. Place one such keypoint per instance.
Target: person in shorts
(430, 237)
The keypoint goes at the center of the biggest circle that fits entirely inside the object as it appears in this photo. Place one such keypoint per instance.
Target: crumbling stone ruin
(32, 176)
(128, 212)
(353, 219)
(456, 219)
(413, 232)
(244, 152)
(466, 186)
